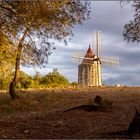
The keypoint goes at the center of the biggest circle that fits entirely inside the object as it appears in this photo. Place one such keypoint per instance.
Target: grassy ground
(40, 113)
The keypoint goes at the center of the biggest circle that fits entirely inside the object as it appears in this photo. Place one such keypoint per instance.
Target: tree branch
(8, 8)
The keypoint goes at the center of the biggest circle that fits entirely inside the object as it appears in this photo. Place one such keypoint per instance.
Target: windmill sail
(110, 60)
(89, 68)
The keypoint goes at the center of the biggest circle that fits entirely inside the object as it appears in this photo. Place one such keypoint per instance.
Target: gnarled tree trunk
(17, 68)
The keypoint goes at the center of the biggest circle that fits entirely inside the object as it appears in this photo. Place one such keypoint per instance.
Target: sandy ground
(78, 123)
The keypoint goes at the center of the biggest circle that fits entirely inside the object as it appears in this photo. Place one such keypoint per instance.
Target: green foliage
(32, 26)
(5, 81)
(52, 79)
(43, 21)
(7, 60)
(24, 81)
(74, 84)
(6, 68)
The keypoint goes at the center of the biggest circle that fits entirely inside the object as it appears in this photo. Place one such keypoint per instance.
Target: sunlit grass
(52, 99)
(33, 101)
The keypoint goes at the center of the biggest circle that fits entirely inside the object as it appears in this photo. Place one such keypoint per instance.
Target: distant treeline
(50, 80)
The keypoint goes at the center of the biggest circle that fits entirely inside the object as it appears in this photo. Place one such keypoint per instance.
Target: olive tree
(132, 29)
(32, 26)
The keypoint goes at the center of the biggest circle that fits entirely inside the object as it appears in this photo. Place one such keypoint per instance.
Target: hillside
(40, 113)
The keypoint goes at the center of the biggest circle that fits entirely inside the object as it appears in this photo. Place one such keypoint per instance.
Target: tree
(24, 81)
(33, 25)
(54, 79)
(5, 74)
(7, 55)
(132, 29)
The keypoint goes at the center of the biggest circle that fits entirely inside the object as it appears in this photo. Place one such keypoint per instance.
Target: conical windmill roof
(89, 54)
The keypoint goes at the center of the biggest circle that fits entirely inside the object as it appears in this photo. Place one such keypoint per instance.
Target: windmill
(90, 65)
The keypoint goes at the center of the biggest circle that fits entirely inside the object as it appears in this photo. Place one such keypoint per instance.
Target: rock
(4, 137)
(26, 131)
(60, 122)
(98, 100)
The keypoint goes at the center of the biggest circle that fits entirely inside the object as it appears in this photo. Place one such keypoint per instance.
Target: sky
(109, 18)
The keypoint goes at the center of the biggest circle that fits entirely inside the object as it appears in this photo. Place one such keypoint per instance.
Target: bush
(53, 79)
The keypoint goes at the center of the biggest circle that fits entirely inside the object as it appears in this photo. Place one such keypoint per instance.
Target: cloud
(109, 18)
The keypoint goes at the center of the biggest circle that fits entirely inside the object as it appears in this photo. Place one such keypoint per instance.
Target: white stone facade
(90, 74)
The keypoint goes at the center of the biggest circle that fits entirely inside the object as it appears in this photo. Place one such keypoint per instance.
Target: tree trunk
(17, 68)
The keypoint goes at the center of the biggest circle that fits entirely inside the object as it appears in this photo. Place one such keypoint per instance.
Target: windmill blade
(110, 60)
(78, 54)
(96, 41)
(77, 60)
(79, 57)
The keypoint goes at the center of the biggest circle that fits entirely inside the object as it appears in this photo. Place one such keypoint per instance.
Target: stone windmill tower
(90, 65)
(89, 72)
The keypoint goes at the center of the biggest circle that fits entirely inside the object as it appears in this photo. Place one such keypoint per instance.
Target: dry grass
(31, 101)
(49, 99)
(41, 113)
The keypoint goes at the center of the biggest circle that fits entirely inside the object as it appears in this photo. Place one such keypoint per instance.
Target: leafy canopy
(54, 78)
(132, 29)
(43, 20)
